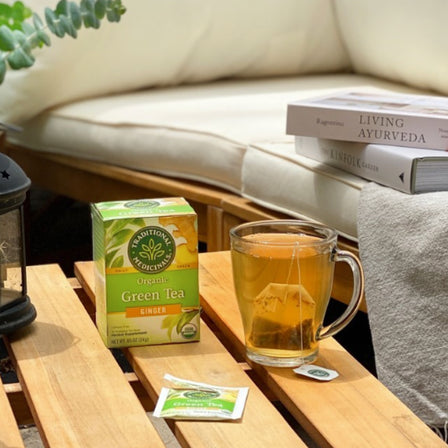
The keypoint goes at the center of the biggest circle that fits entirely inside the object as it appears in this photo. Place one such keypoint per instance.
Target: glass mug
(283, 276)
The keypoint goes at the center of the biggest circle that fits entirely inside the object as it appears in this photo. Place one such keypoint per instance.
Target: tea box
(146, 271)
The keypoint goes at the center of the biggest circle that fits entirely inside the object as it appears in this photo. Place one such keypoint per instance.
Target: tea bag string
(295, 255)
(290, 268)
(299, 279)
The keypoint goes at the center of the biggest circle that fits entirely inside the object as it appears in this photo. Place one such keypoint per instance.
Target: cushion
(225, 133)
(399, 40)
(302, 187)
(169, 42)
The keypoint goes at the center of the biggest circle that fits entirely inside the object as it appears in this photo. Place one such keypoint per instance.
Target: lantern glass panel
(11, 258)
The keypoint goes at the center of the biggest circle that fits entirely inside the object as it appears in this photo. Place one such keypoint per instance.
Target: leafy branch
(22, 30)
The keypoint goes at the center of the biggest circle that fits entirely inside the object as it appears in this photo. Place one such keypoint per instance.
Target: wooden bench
(78, 395)
(218, 210)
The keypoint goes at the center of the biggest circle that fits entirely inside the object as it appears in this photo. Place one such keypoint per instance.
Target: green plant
(23, 30)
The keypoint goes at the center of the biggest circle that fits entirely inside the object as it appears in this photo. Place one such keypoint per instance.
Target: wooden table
(78, 396)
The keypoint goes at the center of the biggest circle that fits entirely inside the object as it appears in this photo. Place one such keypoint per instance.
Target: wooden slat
(77, 393)
(22, 412)
(354, 410)
(208, 361)
(19, 404)
(9, 431)
(214, 223)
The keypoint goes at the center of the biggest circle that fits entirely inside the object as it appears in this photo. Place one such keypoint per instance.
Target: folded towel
(403, 242)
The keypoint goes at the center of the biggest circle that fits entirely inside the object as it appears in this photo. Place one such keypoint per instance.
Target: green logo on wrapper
(318, 373)
(151, 249)
(202, 394)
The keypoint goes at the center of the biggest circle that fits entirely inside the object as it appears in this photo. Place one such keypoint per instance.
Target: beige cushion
(227, 133)
(170, 42)
(277, 178)
(401, 40)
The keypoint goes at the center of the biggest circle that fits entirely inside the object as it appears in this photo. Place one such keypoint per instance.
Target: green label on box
(135, 289)
(151, 249)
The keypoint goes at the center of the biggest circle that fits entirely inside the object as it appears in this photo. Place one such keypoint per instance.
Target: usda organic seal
(151, 249)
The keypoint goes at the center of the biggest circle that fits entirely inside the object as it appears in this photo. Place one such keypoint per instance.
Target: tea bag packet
(191, 400)
(283, 312)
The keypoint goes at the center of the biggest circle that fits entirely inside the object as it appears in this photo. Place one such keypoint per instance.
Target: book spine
(367, 126)
(367, 161)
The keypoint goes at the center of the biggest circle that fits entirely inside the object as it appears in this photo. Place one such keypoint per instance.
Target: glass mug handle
(357, 294)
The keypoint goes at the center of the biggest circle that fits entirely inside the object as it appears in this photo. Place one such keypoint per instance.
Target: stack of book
(396, 140)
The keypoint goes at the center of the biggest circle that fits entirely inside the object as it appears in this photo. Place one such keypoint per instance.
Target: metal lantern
(16, 309)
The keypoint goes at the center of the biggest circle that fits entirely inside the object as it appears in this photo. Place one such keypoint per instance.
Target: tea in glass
(283, 275)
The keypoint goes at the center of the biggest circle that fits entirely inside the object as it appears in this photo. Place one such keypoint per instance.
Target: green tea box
(146, 271)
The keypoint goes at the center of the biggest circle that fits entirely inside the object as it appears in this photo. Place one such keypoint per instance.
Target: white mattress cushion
(228, 133)
(302, 187)
(177, 41)
(401, 40)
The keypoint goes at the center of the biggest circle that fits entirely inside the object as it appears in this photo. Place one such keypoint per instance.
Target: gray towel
(403, 242)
